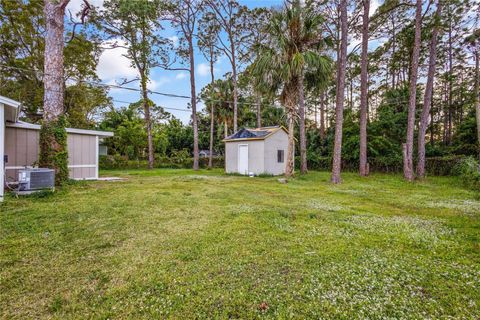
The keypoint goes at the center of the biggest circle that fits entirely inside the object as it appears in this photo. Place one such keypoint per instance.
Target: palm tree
(224, 94)
(292, 48)
(260, 90)
(218, 96)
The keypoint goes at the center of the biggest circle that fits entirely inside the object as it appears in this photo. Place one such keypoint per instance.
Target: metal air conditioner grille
(41, 179)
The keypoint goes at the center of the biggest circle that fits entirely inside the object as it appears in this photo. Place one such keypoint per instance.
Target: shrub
(180, 157)
(469, 171)
(182, 160)
(114, 162)
(53, 148)
(438, 166)
(443, 166)
(178, 161)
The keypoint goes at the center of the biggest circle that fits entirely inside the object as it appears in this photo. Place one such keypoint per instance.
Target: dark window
(280, 156)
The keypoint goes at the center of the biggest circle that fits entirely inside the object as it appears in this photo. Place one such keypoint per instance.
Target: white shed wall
(82, 156)
(2, 149)
(22, 148)
(255, 156)
(277, 141)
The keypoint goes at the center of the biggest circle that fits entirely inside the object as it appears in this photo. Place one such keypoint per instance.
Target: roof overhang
(31, 126)
(12, 108)
(258, 138)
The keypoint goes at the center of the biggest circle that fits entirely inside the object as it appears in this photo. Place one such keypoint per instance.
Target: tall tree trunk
(322, 116)
(235, 86)
(212, 113)
(427, 99)
(364, 89)
(394, 42)
(148, 119)
(225, 128)
(351, 93)
(290, 165)
(476, 94)
(432, 126)
(301, 114)
(445, 112)
(259, 109)
(53, 142)
(193, 102)
(450, 81)
(408, 146)
(212, 125)
(340, 95)
(53, 78)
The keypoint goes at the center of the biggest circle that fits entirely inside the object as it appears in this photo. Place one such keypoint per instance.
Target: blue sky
(114, 67)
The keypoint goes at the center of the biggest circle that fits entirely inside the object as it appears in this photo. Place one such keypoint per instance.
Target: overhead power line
(172, 95)
(113, 86)
(395, 100)
(168, 108)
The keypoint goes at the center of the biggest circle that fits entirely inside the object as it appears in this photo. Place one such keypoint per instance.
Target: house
(258, 151)
(19, 146)
(206, 153)
(102, 148)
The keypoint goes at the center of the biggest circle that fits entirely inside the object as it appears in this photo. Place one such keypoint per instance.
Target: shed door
(243, 159)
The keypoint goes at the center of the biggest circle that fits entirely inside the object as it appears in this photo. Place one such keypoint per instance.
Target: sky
(114, 67)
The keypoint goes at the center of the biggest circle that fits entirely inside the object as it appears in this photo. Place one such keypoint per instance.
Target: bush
(443, 166)
(181, 157)
(177, 161)
(113, 162)
(53, 149)
(437, 166)
(469, 171)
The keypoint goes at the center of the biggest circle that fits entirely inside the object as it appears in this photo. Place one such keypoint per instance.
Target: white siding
(277, 141)
(2, 147)
(255, 156)
(82, 156)
(22, 148)
(262, 154)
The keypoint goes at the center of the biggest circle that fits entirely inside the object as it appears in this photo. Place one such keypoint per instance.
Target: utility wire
(105, 85)
(395, 100)
(168, 108)
(172, 95)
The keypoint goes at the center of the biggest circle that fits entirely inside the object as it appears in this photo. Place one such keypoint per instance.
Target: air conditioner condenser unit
(35, 179)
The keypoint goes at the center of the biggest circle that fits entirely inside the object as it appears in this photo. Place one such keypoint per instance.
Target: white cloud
(373, 7)
(174, 40)
(75, 6)
(113, 68)
(203, 69)
(353, 43)
(155, 84)
(181, 76)
(220, 59)
(113, 64)
(112, 90)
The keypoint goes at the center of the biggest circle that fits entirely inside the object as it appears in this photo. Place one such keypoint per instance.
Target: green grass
(183, 244)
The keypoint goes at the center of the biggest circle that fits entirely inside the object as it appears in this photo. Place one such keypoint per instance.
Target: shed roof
(12, 108)
(31, 126)
(253, 133)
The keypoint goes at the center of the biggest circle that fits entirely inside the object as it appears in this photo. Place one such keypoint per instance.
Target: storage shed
(19, 146)
(257, 151)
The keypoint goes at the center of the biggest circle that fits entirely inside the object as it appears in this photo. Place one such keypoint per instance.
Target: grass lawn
(180, 244)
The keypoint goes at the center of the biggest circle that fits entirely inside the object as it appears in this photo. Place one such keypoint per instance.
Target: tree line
(352, 84)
